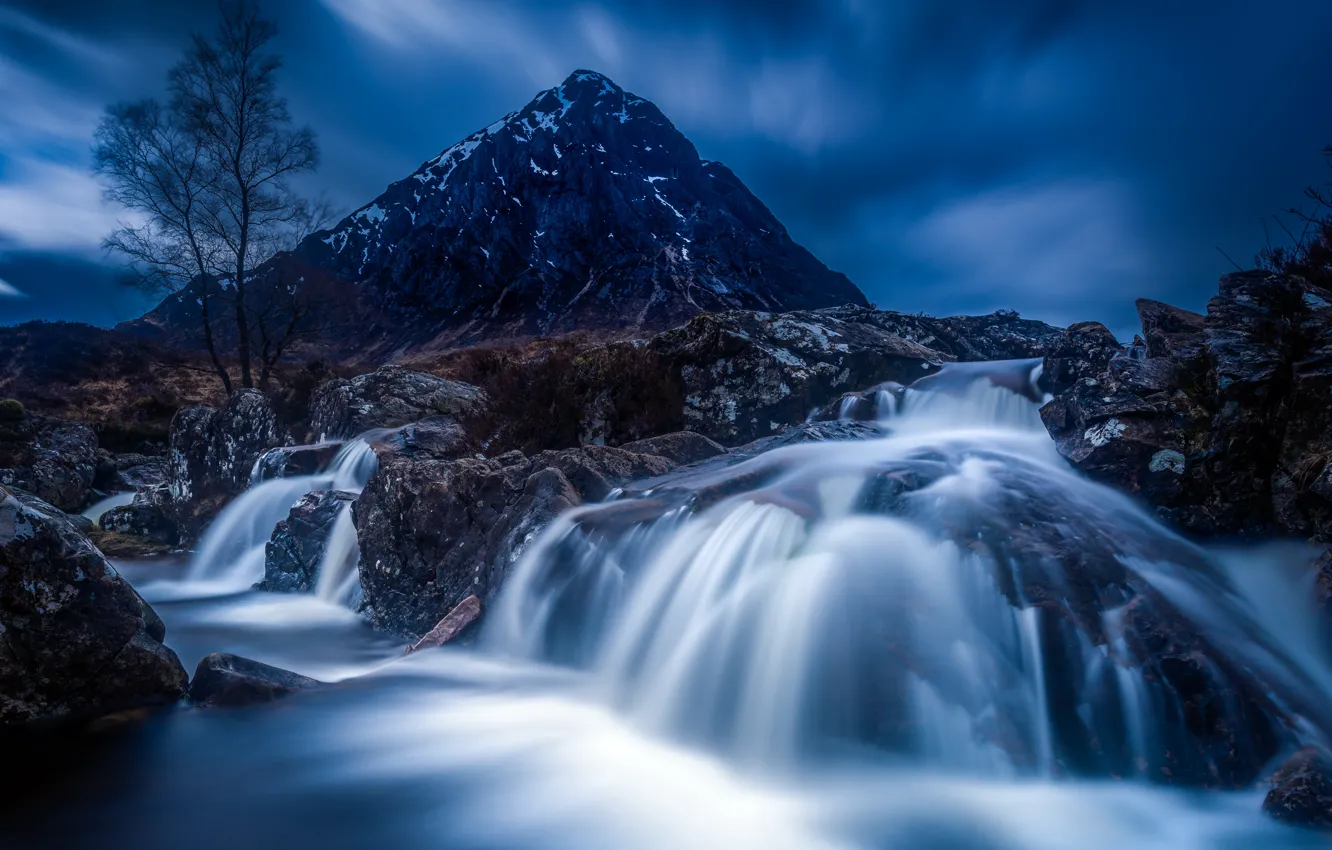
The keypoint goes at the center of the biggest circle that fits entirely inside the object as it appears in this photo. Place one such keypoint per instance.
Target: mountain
(584, 210)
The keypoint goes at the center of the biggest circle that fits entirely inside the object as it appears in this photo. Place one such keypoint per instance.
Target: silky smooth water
(820, 658)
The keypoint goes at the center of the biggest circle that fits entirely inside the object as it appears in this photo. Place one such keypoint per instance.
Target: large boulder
(1222, 422)
(434, 529)
(230, 681)
(76, 640)
(213, 454)
(53, 459)
(749, 375)
(388, 397)
(1301, 793)
(299, 542)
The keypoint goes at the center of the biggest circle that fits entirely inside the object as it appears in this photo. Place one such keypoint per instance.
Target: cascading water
(952, 594)
(230, 556)
(939, 638)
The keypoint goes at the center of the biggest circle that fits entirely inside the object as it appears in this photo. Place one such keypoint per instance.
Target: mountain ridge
(585, 210)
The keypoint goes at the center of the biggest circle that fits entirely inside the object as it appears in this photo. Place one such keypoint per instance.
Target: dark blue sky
(1060, 158)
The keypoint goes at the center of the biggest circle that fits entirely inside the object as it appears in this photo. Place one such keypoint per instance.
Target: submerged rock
(388, 397)
(231, 681)
(75, 639)
(299, 543)
(1301, 792)
(213, 453)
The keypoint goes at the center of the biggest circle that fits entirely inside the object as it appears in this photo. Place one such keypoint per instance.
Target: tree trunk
(242, 321)
(208, 336)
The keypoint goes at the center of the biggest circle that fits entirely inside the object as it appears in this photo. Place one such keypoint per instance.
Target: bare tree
(283, 309)
(225, 90)
(158, 169)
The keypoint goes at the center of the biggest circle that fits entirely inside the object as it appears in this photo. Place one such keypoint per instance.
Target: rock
(1224, 423)
(296, 550)
(76, 641)
(141, 520)
(463, 615)
(213, 453)
(231, 681)
(1170, 331)
(1085, 351)
(435, 531)
(750, 375)
(50, 458)
(388, 397)
(681, 447)
(1301, 792)
(289, 461)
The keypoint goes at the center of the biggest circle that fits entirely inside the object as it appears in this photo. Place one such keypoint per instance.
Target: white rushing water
(940, 638)
(230, 557)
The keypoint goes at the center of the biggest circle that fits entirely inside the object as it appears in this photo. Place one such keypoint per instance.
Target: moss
(11, 410)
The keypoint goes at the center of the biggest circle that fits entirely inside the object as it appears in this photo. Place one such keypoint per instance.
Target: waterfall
(230, 557)
(951, 592)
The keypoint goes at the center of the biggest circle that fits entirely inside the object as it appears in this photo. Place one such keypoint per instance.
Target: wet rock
(454, 623)
(388, 397)
(213, 453)
(76, 640)
(1301, 792)
(439, 437)
(434, 531)
(681, 447)
(296, 550)
(231, 681)
(50, 458)
(290, 461)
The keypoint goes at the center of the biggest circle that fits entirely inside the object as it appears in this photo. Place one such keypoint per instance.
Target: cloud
(46, 206)
(9, 290)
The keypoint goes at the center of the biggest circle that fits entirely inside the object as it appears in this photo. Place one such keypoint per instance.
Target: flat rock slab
(228, 680)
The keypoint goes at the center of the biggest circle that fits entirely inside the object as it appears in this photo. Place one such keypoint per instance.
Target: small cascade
(230, 557)
(906, 594)
(338, 576)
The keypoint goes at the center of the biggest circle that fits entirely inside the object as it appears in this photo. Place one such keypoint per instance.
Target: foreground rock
(213, 453)
(435, 528)
(294, 554)
(1301, 792)
(75, 639)
(750, 375)
(388, 397)
(1221, 422)
(231, 681)
(50, 458)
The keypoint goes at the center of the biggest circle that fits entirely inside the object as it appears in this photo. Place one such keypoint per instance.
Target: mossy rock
(11, 410)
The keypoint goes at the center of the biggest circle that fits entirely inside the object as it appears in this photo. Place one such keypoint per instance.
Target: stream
(812, 662)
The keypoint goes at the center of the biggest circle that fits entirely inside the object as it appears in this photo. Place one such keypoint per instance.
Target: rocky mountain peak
(586, 209)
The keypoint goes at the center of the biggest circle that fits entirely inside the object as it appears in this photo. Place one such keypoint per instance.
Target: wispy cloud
(46, 206)
(9, 290)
